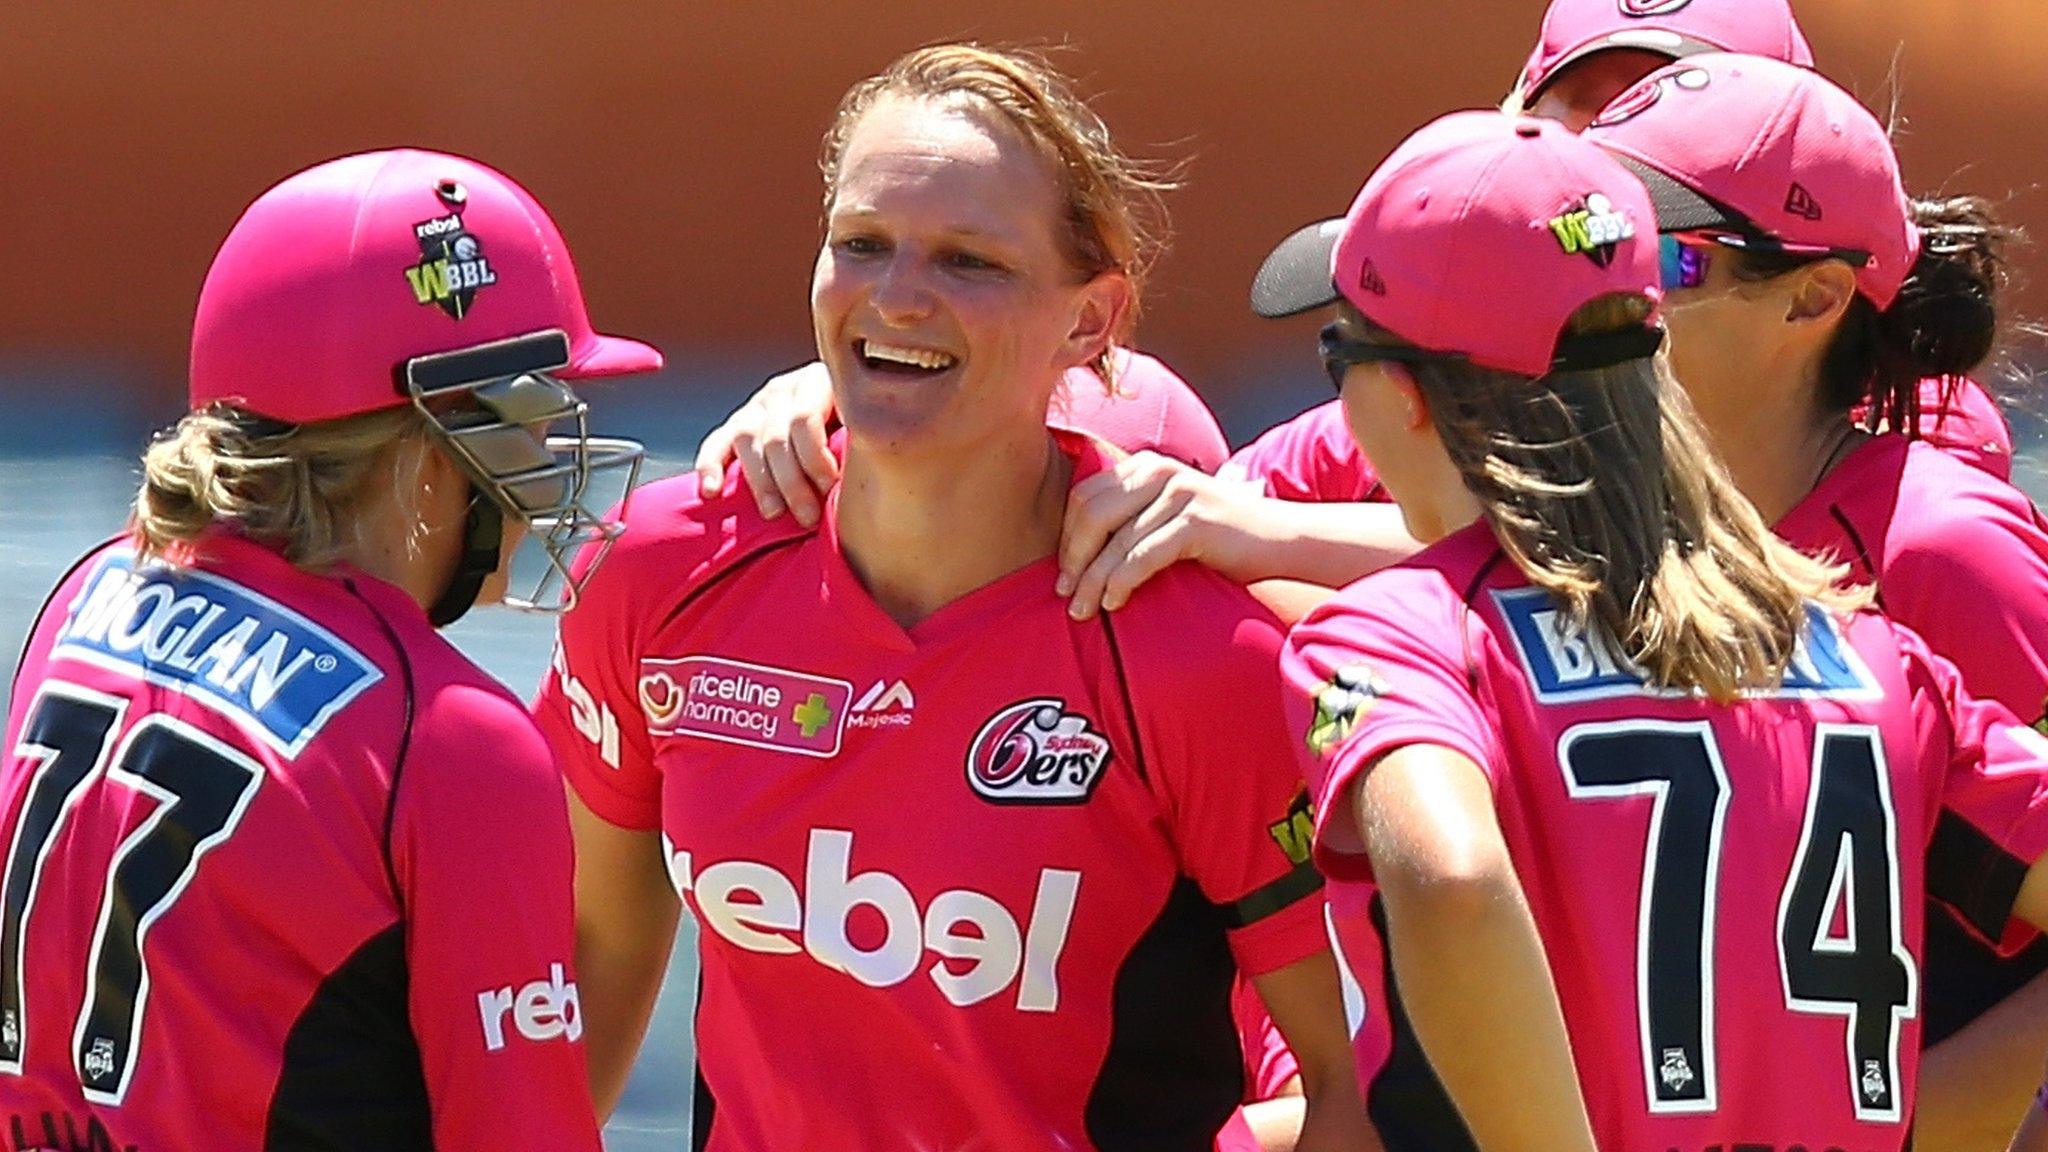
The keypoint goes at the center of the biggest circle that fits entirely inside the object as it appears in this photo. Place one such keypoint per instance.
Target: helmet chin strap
(483, 535)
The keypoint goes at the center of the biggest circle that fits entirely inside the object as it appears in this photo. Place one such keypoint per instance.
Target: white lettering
(493, 1005)
(1574, 657)
(749, 904)
(834, 893)
(127, 634)
(224, 653)
(268, 670)
(994, 949)
(541, 1010)
(194, 636)
(978, 947)
(97, 607)
(593, 718)
(162, 637)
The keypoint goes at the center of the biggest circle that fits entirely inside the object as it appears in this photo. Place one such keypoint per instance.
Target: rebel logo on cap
(452, 267)
(1592, 229)
(1642, 8)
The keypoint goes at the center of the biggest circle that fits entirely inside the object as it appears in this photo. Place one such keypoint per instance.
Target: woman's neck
(923, 532)
(1777, 445)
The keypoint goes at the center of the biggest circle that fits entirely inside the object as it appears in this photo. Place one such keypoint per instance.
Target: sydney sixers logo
(1647, 92)
(1036, 752)
(1641, 8)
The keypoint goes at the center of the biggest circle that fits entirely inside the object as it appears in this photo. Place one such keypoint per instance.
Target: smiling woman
(988, 877)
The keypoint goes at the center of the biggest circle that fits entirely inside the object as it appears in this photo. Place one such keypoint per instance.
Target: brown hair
(1943, 323)
(1600, 487)
(1115, 217)
(295, 487)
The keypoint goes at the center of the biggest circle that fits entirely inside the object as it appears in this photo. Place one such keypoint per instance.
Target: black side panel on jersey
(703, 1105)
(1406, 1101)
(351, 1076)
(1174, 1071)
(1968, 874)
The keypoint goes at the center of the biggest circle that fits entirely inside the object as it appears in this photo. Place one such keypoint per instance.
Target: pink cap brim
(612, 356)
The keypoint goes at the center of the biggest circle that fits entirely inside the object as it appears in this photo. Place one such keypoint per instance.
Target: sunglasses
(1683, 257)
(1340, 352)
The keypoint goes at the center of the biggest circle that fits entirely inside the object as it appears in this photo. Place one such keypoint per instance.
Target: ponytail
(1943, 324)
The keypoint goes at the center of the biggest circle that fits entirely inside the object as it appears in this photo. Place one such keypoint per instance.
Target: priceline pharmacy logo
(740, 703)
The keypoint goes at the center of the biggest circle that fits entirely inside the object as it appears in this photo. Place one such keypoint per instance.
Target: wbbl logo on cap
(452, 265)
(1592, 229)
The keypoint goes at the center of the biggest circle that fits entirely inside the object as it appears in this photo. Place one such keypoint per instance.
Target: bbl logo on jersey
(1340, 702)
(1036, 752)
(257, 662)
(452, 267)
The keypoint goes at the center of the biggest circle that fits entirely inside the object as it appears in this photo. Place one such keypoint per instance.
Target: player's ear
(1414, 405)
(1101, 307)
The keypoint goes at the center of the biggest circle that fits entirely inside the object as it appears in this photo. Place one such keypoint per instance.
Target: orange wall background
(675, 142)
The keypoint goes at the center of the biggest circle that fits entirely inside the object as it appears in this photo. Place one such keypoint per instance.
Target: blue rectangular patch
(1573, 666)
(259, 663)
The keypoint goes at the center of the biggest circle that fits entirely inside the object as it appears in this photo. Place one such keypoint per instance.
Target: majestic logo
(1676, 1071)
(1036, 752)
(452, 267)
(1567, 663)
(1347, 696)
(1800, 203)
(740, 703)
(885, 704)
(540, 1011)
(975, 945)
(1296, 832)
(1592, 228)
(257, 662)
(1643, 8)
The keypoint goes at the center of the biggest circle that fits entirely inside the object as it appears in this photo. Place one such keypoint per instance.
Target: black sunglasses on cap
(1574, 353)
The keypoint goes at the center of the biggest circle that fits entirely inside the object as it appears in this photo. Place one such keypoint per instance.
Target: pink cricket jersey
(284, 870)
(1727, 894)
(983, 882)
(1151, 409)
(1961, 559)
(1311, 458)
(1314, 458)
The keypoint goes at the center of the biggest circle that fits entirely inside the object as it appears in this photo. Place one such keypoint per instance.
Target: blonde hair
(298, 488)
(1115, 216)
(1600, 487)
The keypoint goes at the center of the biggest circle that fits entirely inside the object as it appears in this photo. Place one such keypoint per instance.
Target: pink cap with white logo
(1480, 237)
(1771, 155)
(335, 277)
(1575, 29)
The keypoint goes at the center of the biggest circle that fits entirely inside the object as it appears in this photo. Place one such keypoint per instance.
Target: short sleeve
(1380, 666)
(1216, 757)
(1973, 583)
(588, 707)
(1311, 458)
(481, 850)
(1992, 821)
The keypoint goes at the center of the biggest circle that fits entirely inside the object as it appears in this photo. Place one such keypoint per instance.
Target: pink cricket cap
(336, 276)
(1772, 156)
(1480, 237)
(1152, 409)
(1575, 29)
